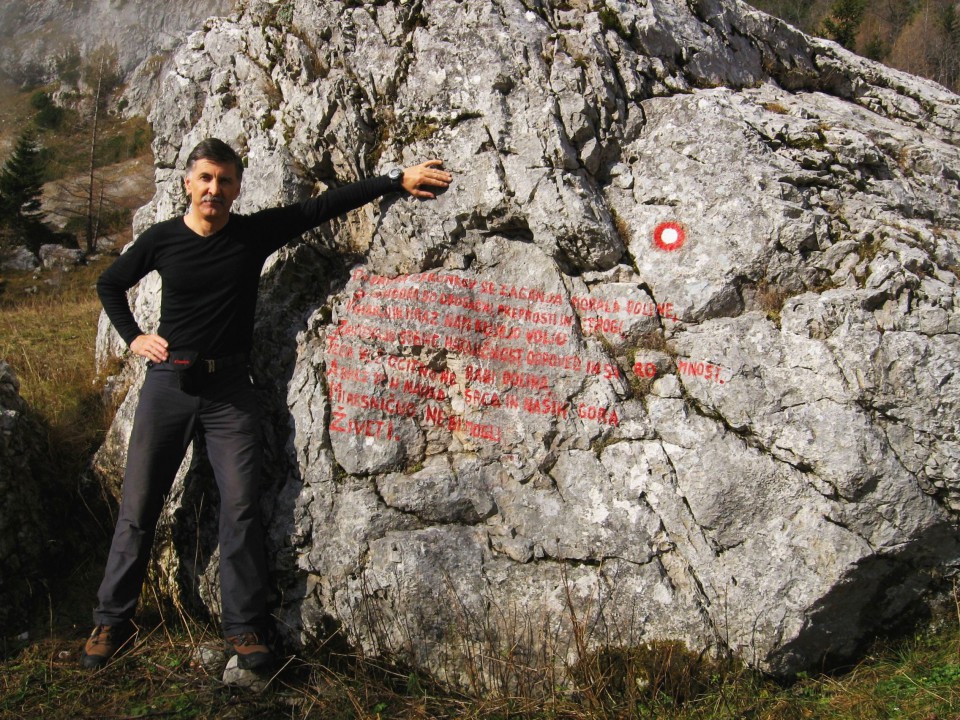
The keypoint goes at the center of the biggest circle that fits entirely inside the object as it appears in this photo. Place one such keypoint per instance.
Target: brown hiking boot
(252, 653)
(104, 642)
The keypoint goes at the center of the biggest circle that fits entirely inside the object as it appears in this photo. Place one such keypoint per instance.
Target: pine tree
(21, 185)
(948, 55)
(21, 180)
(844, 21)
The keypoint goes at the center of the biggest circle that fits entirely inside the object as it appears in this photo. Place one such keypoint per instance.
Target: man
(210, 262)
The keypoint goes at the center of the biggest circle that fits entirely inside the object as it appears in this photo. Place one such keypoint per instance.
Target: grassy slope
(47, 332)
(14, 107)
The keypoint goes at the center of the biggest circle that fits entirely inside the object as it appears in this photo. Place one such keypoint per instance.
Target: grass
(770, 298)
(47, 335)
(162, 676)
(775, 107)
(48, 330)
(14, 107)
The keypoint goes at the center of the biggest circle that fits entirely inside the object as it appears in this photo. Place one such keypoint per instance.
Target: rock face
(675, 357)
(37, 32)
(35, 35)
(23, 525)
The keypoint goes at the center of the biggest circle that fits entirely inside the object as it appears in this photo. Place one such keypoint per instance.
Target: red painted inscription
(511, 340)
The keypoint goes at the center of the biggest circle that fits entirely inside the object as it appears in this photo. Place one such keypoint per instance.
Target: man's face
(212, 188)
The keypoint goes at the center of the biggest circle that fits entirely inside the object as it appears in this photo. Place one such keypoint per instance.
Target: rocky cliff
(675, 357)
(38, 35)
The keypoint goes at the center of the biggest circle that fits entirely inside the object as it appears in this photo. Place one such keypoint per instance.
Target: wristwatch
(396, 178)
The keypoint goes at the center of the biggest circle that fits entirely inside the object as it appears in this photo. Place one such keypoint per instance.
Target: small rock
(238, 677)
(58, 256)
(19, 259)
(210, 659)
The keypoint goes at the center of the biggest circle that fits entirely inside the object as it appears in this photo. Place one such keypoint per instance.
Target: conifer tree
(21, 185)
(844, 21)
(948, 55)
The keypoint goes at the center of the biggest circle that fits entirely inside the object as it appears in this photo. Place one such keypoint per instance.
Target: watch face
(396, 174)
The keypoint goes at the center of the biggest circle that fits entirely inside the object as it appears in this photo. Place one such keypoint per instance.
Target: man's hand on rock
(152, 347)
(427, 174)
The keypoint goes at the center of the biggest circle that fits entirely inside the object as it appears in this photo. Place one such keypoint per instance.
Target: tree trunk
(91, 239)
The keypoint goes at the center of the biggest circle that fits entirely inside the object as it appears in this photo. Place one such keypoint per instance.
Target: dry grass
(48, 337)
(161, 676)
(623, 229)
(775, 107)
(770, 298)
(14, 107)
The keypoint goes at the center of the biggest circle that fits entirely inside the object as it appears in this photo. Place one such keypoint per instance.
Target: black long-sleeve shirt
(210, 284)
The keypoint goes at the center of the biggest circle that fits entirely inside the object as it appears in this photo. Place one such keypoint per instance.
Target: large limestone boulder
(674, 358)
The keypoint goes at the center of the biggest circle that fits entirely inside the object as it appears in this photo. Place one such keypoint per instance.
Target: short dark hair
(215, 150)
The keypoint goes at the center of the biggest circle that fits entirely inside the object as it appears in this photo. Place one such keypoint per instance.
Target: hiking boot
(252, 652)
(104, 642)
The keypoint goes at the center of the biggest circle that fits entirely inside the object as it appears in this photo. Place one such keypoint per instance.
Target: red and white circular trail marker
(669, 236)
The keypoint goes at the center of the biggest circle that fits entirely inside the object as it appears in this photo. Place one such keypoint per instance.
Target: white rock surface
(675, 357)
(19, 258)
(238, 677)
(58, 257)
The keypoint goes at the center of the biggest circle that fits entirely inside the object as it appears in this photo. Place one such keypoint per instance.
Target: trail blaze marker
(669, 236)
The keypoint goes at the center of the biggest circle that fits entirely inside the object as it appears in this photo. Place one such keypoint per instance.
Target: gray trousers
(166, 419)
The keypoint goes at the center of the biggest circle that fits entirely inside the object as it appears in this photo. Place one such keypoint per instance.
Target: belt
(213, 365)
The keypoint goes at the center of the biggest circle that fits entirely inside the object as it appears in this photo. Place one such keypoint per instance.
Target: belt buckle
(211, 365)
